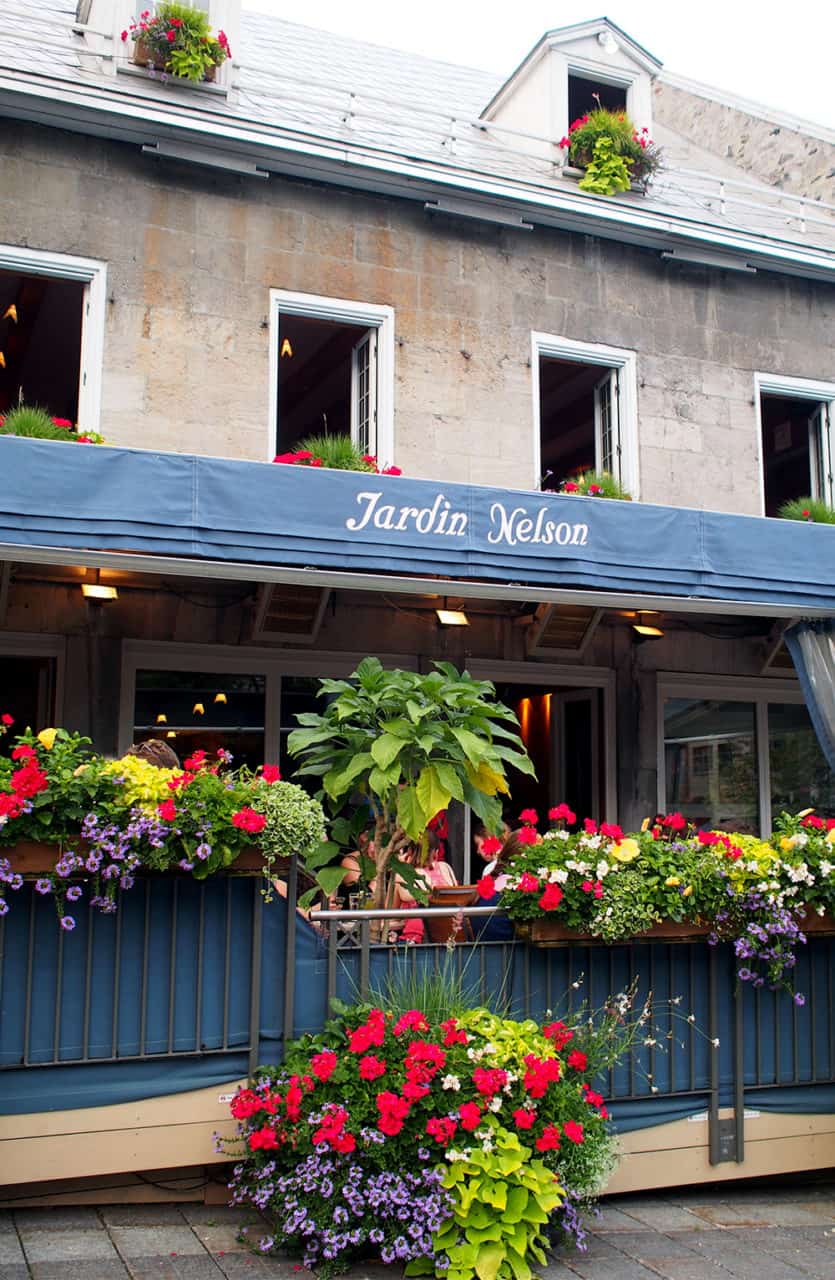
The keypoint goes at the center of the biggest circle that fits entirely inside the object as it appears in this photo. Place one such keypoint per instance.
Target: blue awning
(102, 498)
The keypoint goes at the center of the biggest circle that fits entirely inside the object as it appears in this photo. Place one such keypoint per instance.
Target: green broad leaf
(321, 855)
(380, 781)
(419, 1267)
(496, 1194)
(445, 1238)
(488, 808)
(521, 762)
(301, 739)
(518, 1264)
(449, 779)
(202, 869)
(307, 899)
(464, 1255)
(517, 1203)
(330, 878)
(481, 1235)
(386, 749)
(490, 1258)
(410, 813)
(433, 796)
(310, 719)
(478, 1218)
(427, 742)
(416, 713)
(369, 671)
(400, 728)
(473, 747)
(337, 783)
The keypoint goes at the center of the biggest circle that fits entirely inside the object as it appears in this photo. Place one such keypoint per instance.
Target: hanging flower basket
(144, 56)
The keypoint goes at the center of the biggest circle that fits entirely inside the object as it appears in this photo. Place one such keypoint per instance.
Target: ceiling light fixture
(96, 590)
(221, 697)
(171, 734)
(452, 617)
(162, 718)
(198, 709)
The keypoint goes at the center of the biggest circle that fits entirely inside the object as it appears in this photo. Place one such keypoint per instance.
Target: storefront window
(800, 776)
(191, 710)
(27, 694)
(298, 694)
(711, 762)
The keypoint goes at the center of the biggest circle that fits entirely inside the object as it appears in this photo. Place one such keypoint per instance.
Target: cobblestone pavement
(757, 1232)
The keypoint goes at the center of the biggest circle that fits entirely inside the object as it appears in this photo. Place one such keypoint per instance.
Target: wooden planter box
(552, 933)
(144, 56)
(32, 858)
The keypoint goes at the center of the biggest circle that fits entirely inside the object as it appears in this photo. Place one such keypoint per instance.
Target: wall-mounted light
(286, 349)
(221, 697)
(647, 630)
(171, 734)
(162, 718)
(198, 709)
(452, 617)
(607, 42)
(96, 590)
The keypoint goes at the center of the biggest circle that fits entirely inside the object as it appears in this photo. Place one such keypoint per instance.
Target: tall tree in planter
(410, 744)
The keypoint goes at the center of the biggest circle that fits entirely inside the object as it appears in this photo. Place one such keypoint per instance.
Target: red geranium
(611, 830)
(371, 1068)
(453, 1034)
(414, 1020)
(167, 810)
(469, 1113)
(562, 813)
(528, 882)
(551, 898)
(442, 1129)
(324, 1064)
(371, 1032)
(7, 720)
(529, 816)
(247, 819)
(489, 1080)
(486, 887)
(675, 821)
(491, 845)
(524, 1118)
(528, 835)
(590, 826)
(550, 1139)
(578, 1060)
(573, 1131)
(271, 773)
(263, 1140)
(559, 1033)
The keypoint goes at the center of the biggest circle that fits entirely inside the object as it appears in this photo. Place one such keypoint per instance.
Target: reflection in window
(197, 710)
(800, 776)
(711, 762)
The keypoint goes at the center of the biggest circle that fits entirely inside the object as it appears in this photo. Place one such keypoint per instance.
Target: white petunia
(451, 1082)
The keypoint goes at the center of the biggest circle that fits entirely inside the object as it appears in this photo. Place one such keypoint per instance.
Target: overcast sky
(780, 54)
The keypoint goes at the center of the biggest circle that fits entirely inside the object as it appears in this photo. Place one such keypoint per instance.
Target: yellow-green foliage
(503, 1199)
(144, 784)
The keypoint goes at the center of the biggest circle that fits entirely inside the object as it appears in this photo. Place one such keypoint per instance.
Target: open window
(588, 92)
(584, 412)
(796, 442)
(51, 331)
(333, 372)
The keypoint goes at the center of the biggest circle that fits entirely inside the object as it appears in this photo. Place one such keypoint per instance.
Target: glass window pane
(298, 694)
(195, 709)
(800, 776)
(711, 762)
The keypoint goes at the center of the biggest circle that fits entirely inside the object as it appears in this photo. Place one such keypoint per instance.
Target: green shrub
(812, 510)
(337, 452)
(34, 423)
(635, 147)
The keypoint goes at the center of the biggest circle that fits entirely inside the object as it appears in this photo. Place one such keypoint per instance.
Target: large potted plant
(177, 39)
(403, 745)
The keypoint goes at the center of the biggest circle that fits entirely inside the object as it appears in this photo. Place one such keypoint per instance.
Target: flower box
(552, 933)
(144, 56)
(32, 858)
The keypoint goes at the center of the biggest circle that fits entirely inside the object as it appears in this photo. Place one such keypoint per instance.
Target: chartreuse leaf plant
(502, 1200)
(407, 744)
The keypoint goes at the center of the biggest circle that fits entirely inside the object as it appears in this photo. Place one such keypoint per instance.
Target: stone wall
(192, 256)
(771, 151)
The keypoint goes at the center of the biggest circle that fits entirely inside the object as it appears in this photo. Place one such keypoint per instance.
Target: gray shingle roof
(390, 104)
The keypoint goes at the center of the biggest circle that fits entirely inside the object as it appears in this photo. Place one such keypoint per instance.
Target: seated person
(352, 881)
(433, 873)
(497, 928)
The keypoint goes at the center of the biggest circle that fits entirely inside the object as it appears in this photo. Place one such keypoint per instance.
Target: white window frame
(761, 692)
(25, 644)
(810, 389)
(342, 311)
(93, 274)
(636, 83)
(160, 655)
(549, 345)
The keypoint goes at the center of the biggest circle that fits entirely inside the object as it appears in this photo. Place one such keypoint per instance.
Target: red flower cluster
(562, 813)
(540, 1073)
(371, 1032)
(414, 1020)
(26, 782)
(442, 1129)
(332, 1131)
(247, 819)
(372, 1068)
(551, 898)
(453, 1034)
(559, 1033)
(304, 458)
(324, 1064)
(489, 1080)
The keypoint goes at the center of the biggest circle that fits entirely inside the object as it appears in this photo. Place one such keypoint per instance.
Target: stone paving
(779, 1231)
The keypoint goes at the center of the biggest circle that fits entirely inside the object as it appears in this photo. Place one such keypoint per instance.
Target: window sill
(171, 82)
